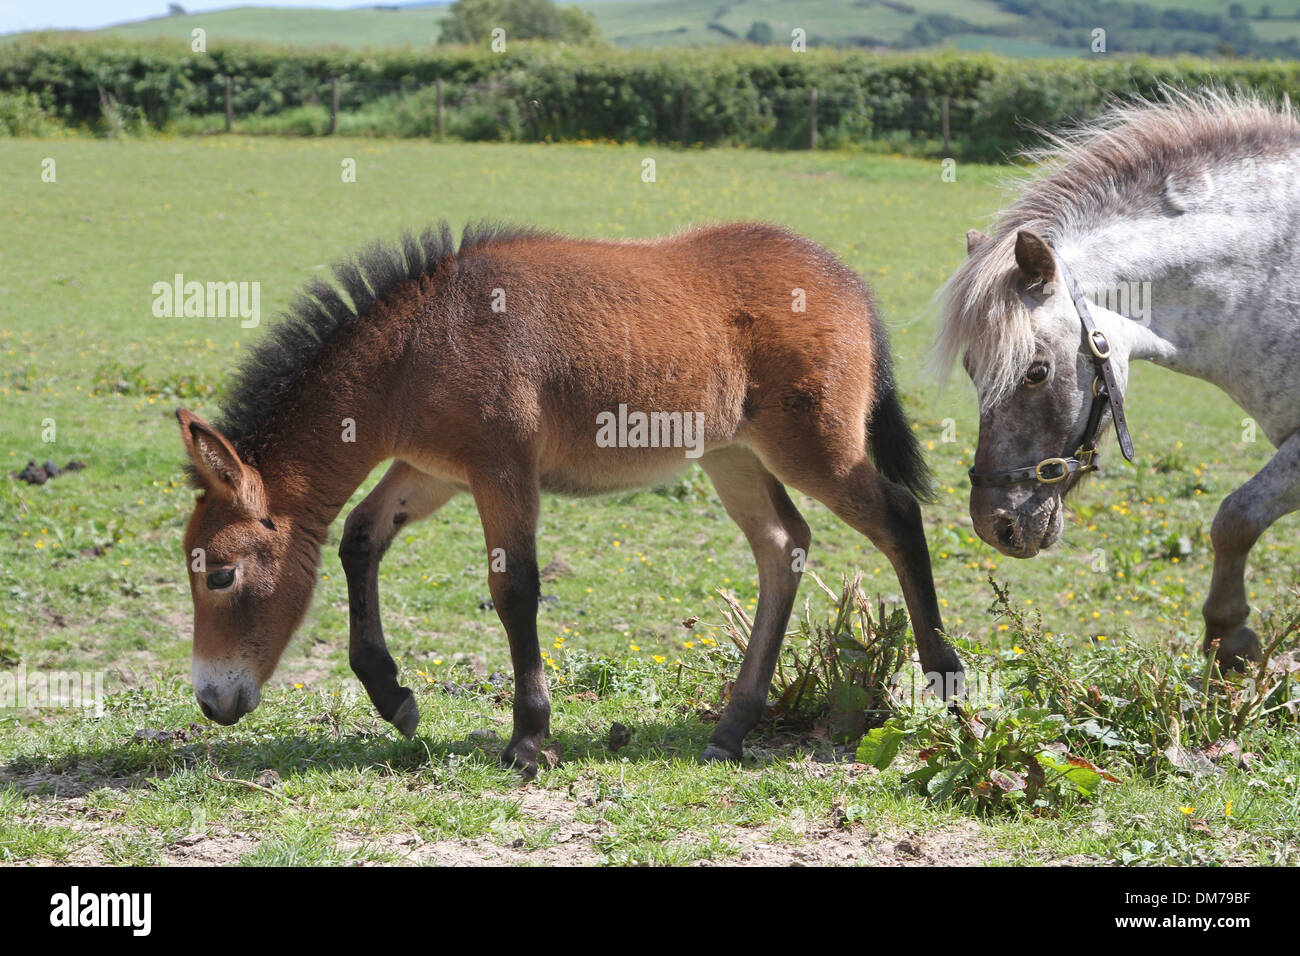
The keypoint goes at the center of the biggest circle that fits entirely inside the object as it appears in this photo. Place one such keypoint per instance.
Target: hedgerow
(743, 96)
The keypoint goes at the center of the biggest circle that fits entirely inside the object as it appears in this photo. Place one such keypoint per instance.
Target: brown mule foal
(499, 368)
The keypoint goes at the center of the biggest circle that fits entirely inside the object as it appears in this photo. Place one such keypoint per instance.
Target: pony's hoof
(1239, 649)
(716, 753)
(407, 717)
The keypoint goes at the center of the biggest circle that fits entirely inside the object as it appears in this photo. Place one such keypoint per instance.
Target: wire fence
(503, 109)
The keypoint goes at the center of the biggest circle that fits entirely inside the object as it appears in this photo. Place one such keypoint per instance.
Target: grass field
(686, 23)
(622, 22)
(91, 572)
(300, 27)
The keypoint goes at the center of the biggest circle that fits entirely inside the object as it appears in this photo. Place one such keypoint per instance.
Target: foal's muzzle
(225, 708)
(227, 697)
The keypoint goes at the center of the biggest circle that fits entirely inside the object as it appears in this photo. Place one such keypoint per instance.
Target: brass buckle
(1093, 336)
(1086, 456)
(1046, 462)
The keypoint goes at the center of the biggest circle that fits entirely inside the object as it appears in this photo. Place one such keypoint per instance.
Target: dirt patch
(856, 845)
(218, 849)
(554, 838)
(215, 850)
(95, 826)
(53, 786)
(563, 841)
(411, 850)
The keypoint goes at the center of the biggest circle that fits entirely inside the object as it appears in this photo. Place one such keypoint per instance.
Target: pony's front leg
(404, 495)
(1243, 517)
(507, 499)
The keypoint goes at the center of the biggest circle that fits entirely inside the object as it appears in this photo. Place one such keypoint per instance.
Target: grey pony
(1199, 196)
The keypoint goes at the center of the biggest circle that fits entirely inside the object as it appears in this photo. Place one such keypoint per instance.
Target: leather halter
(1105, 394)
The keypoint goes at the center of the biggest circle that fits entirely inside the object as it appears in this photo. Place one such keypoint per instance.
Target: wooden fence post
(812, 118)
(230, 104)
(945, 104)
(334, 104)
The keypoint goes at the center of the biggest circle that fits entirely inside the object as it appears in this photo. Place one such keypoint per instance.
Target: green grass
(843, 19)
(1277, 30)
(299, 27)
(1011, 46)
(90, 564)
(622, 22)
(678, 23)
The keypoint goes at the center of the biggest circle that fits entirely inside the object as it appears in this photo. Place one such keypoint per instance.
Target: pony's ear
(974, 239)
(1034, 256)
(215, 460)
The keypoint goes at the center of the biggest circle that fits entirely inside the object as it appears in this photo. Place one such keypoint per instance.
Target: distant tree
(1236, 11)
(175, 10)
(760, 32)
(472, 21)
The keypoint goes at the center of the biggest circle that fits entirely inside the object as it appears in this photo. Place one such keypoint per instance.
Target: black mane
(319, 313)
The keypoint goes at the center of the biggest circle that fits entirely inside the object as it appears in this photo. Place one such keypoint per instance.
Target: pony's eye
(1037, 374)
(220, 580)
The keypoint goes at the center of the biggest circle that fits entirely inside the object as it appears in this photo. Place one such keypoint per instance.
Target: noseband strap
(1105, 394)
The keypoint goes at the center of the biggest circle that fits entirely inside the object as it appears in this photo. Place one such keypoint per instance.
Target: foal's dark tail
(894, 449)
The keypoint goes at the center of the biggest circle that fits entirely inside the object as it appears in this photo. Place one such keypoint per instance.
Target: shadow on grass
(231, 754)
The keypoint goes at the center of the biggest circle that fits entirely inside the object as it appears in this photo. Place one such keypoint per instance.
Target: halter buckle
(1060, 463)
(1099, 344)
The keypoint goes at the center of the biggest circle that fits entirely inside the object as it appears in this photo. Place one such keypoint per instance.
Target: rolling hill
(1016, 27)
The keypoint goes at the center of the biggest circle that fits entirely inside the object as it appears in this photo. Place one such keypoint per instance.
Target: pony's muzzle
(1018, 536)
(226, 699)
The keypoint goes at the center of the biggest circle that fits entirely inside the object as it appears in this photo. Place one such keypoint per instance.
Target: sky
(18, 15)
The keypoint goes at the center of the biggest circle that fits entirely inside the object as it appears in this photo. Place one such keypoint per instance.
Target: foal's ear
(1034, 256)
(974, 239)
(218, 465)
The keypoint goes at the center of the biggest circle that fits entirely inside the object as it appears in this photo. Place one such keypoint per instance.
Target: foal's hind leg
(1243, 517)
(403, 496)
(779, 538)
(839, 474)
(507, 499)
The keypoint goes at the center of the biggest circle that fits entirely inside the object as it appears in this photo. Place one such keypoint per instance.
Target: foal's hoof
(1239, 649)
(407, 717)
(717, 753)
(521, 756)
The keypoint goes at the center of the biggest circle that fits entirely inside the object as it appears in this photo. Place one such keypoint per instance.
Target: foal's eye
(220, 580)
(1037, 374)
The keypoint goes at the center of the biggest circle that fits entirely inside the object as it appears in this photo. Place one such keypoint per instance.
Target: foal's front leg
(1243, 517)
(403, 496)
(507, 502)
